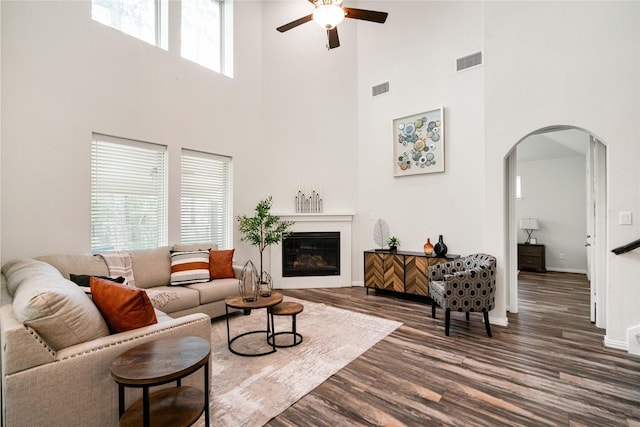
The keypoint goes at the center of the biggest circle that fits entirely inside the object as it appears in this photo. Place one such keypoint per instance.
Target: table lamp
(528, 225)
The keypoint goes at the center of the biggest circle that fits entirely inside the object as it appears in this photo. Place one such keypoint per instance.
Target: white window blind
(128, 194)
(205, 207)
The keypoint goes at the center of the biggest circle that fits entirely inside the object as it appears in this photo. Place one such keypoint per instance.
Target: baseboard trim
(633, 340)
(566, 270)
(500, 321)
(617, 344)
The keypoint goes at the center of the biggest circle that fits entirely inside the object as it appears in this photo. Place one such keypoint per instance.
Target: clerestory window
(142, 19)
(206, 27)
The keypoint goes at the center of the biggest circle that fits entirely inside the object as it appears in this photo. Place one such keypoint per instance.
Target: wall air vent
(468, 61)
(379, 89)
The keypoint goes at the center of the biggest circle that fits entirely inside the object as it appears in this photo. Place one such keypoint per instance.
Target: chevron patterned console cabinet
(401, 271)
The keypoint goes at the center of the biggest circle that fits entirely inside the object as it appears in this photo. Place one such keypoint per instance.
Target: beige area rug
(249, 391)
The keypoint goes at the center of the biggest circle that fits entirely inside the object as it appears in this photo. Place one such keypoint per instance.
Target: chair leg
(433, 309)
(447, 321)
(467, 315)
(485, 313)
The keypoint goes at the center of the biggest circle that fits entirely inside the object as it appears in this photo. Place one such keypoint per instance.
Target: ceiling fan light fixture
(328, 16)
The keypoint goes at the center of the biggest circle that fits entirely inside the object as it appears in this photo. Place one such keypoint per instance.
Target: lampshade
(328, 16)
(529, 224)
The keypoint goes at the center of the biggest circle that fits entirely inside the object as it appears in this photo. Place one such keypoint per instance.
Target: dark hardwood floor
(548, 367)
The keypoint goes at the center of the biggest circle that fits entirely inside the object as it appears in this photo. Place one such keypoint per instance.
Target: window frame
(104, 169)
(225, 24)
(226, 240)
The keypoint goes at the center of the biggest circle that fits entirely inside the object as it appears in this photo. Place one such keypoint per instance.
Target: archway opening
(557, 177)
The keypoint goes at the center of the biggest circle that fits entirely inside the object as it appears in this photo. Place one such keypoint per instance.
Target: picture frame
(418, 143)
(533, 241)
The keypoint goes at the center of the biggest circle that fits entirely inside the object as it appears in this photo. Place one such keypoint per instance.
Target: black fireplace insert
(311, 254)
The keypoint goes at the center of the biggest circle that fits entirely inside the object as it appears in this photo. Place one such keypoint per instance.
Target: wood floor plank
(548, 367)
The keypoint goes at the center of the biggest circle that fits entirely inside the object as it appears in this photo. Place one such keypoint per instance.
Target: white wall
(554, 192)
(309, 112)
(66, 76)
(416, 51)
(540, 71)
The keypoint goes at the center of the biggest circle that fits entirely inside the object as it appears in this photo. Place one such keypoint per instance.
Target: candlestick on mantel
(308, 200)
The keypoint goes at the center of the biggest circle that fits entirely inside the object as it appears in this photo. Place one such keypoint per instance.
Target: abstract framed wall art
(418, 143)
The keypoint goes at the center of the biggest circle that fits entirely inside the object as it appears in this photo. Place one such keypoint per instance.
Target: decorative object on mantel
(248, 282)
(380, 233)
(428, 248)
(440, 249)
(262, 230)
(418, 143)
(393, 243)
(529, 225)
(308, 200)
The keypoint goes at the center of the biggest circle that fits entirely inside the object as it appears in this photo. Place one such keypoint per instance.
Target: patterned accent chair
(464, 284)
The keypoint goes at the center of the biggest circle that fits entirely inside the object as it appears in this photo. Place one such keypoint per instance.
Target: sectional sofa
(56, 356)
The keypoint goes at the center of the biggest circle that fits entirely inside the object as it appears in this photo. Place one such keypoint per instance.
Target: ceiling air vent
(468, 61)
(379, 89)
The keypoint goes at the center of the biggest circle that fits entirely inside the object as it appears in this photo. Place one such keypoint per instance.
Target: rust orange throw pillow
(124, 308)
(221, 264)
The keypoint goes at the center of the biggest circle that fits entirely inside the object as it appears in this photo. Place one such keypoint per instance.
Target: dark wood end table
(160, 362)
(261, 302)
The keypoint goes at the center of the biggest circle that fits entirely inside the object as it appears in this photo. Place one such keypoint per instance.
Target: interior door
(596, 229)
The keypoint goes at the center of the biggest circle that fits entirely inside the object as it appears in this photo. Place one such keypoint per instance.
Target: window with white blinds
(128, 194)
(205, 199)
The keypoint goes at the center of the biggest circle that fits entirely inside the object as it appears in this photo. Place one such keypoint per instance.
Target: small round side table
(160, 362)
(287, 308)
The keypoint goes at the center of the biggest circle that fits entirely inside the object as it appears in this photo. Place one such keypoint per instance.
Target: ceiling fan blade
(365, 15)
(293, 24)
(332, 34)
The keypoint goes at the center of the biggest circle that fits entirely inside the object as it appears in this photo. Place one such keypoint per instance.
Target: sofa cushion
(186, 298)
(58, 310)
(77, 264)
(216, 290)
(20, 269)
(151, 267)
(160, 297)
(124, 308)
(189, 267)
(221, 264)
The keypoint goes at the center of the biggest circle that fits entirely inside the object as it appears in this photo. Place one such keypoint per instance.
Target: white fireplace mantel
(309, 222)
(317, 217)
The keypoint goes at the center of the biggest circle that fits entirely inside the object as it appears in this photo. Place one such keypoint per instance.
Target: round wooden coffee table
(262, 302)
(160, 362)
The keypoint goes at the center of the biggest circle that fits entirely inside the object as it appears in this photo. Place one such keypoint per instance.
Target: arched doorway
(590, 241)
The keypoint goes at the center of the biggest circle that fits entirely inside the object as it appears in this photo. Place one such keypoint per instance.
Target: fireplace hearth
(311, 254)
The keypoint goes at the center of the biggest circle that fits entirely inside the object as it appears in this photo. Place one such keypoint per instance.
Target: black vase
(440, 248)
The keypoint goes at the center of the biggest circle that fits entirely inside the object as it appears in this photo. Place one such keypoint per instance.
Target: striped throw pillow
(189, 267)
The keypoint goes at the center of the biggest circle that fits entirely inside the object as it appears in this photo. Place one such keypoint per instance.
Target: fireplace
(311, 254)
(339, 223)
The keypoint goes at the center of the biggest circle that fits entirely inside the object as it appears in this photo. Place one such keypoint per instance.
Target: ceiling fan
(329, 13)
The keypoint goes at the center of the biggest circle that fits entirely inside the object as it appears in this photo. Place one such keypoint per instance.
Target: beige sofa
(63, 378)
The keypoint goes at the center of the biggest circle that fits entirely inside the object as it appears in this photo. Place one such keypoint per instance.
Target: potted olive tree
(262, 230)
